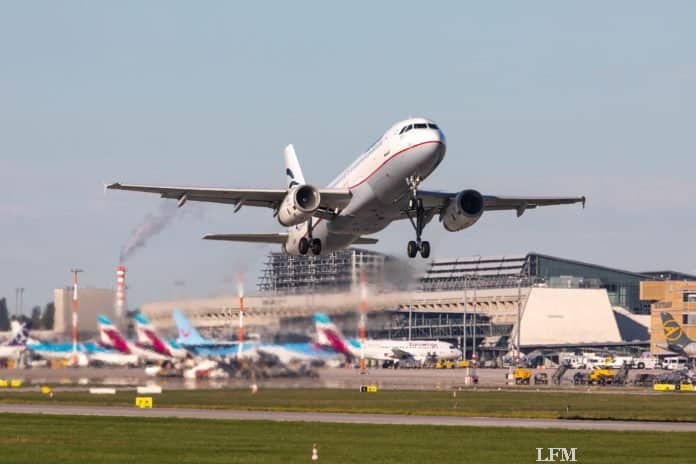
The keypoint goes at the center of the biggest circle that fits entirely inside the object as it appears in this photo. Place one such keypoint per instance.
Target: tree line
(40, 319)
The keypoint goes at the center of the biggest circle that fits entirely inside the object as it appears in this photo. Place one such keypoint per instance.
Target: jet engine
(298, 205)
(463, 212)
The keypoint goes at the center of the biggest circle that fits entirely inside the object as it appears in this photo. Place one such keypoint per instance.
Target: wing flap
(279, 237)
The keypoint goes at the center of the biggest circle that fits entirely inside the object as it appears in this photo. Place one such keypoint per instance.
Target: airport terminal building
(484, 304)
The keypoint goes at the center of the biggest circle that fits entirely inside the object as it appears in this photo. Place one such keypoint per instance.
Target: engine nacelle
(463, 212)
(299, 205)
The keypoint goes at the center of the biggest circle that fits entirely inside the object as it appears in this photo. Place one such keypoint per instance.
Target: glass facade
(623, 287)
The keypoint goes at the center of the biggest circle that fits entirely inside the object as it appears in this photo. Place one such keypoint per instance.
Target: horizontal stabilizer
(279, 237)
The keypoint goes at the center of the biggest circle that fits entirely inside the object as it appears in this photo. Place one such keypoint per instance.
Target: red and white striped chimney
(120, 291)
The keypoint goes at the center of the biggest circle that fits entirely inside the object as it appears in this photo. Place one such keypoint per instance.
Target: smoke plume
(151, 225)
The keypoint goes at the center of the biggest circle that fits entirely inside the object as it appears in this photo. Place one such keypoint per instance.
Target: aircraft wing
(254, 238)
(331, 199)
(436, 200)
(279, 237)
(401, 354)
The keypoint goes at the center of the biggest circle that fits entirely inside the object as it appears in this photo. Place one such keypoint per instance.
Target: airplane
(379, 187)
(382, 350)
(88, 353)
(192, 340)
(13, 347)
(286, 353)
(148, 338)
(111, 337)
(677, 341)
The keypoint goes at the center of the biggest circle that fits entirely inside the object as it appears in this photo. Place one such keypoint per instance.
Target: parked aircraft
(286, 353)
(111, 337)
(382, 350)
(88, 353)
(381, 186)
(13, 347)
(148, 338)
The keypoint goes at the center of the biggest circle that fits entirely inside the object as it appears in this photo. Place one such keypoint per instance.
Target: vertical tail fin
(330, 335)
(148, 336)
(674, 334)
(20, 333)
(293, 171)
(110, 336)
(188, 335)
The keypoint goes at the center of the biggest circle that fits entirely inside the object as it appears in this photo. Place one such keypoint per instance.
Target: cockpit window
(406, 129)
(420, 126)
(432, 126)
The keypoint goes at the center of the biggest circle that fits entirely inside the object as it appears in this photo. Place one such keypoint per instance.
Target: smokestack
(120, 293)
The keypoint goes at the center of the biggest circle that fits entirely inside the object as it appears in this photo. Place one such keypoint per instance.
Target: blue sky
(543, 98)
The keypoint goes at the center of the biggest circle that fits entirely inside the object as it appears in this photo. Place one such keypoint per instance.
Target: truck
(522, 376)
(602, 376)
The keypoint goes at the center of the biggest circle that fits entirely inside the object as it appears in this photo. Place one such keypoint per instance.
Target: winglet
(583, 201)
(115, 185)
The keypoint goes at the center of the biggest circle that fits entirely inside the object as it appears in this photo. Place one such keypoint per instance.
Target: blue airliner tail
(188, 335)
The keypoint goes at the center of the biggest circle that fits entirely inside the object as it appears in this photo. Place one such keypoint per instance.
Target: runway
(345, 418)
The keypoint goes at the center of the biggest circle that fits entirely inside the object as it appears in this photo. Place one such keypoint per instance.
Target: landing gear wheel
(316, 246)
(415, 204)
(412, 249)
(425, 249)
(303, 246)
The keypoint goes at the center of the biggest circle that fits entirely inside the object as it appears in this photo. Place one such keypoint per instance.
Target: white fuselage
(377, 180)
(10, 351)
(420, 350)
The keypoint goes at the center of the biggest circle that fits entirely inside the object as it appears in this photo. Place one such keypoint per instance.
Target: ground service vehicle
(444, 364)
(522, 376)
(541, 378)
(602, 376)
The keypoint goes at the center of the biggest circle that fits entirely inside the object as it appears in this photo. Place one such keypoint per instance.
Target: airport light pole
(466, 303)
(363, 320)
(74, 306)
(519, 321)
(240, 292)
(21, 301)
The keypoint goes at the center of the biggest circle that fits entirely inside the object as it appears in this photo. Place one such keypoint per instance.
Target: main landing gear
(309, 243)
(415, 204)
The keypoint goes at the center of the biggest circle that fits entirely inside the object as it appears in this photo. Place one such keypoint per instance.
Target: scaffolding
(339, 271)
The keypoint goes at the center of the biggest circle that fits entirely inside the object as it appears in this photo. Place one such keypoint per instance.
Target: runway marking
(348, 418)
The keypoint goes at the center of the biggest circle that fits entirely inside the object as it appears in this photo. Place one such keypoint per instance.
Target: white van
(647, 362)
(674, 363)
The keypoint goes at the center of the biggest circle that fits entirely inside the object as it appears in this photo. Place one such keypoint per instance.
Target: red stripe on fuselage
(380, 167)
(391, 158)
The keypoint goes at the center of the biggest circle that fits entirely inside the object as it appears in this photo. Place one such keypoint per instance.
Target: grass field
(672, 407)
(68, 439)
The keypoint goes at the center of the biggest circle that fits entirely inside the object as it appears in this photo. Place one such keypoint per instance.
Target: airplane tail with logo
(673, 331)
(330, 335)
(293, 171)
(20, 333)
(110, 336)
(147, 335)
(188, 335)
